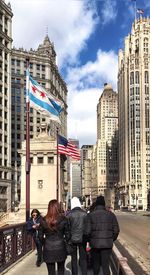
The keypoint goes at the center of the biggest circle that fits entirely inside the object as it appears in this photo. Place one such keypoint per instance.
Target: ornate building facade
(134, 116)
(5, 105)
(43, 68)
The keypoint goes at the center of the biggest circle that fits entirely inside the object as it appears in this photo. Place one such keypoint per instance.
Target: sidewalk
(27, 267)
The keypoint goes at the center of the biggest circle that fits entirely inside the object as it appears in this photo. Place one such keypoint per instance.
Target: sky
(87, 35)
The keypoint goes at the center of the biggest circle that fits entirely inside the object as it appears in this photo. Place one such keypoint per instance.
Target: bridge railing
(14, 244)
(119, 264)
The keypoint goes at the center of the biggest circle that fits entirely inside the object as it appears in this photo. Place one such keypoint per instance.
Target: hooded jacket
(77, 220)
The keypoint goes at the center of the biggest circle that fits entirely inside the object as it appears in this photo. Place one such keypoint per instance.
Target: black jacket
(77, 219)
(34, 232)
(101, 227)
(54, 249)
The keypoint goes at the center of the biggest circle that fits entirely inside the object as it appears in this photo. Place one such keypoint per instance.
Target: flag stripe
(43, 105)
(43, 102)
(67, 148)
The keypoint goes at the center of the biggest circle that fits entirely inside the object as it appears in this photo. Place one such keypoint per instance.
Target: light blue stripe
(34, 81)
(52, 100)
(56, 105)
(43, 105)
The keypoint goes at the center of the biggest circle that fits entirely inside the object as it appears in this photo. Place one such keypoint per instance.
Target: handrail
(119, 264)
(14, 244)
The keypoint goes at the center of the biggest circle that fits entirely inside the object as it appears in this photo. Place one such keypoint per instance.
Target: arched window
(137, 77)
(131, 78)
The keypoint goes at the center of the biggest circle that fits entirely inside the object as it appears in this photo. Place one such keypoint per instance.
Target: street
(135, 236)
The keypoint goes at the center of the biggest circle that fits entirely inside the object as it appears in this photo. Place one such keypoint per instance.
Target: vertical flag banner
(67, 148)
(43, 102)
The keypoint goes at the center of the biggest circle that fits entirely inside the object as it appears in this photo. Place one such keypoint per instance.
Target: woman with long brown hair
(55, 228)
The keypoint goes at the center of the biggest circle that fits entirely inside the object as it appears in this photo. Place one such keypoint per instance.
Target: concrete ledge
(119, 264)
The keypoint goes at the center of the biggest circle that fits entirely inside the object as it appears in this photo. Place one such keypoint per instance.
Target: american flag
(140, 11)
(65, 147)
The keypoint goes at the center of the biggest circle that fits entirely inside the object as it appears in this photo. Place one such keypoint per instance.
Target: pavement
(27, 266)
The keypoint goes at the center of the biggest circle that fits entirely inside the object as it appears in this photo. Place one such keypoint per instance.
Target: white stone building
(43, 69)
(134, 116)
(107, 140)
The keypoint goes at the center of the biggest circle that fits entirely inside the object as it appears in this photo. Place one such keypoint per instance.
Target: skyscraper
(134, 116)
(5, 105)
(107, 139)
(86, 171)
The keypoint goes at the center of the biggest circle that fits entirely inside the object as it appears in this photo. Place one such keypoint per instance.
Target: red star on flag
(42, 94)
(34, 89)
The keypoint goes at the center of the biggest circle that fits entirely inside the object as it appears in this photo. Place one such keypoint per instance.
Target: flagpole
(57, 170)
(134, 10)
(27, 166)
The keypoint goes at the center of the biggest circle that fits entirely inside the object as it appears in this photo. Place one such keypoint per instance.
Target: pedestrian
(55, 229)
(77, 219)
(33, 225)
(102, 229)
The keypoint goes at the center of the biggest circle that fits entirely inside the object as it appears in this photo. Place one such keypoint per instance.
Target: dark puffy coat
(77, 219)
(34, 232)
(54, 249)
(101, 227)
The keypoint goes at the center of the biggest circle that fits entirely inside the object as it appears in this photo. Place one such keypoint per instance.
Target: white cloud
(109, 11)
(70, 24)
(83, 99)
(92, 74)
(82, 115)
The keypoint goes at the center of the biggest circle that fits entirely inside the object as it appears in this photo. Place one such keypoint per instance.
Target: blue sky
(87, 35)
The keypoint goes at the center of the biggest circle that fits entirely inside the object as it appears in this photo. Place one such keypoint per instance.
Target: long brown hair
(53, 212)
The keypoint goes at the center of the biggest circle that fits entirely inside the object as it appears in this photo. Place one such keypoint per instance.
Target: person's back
(55, 228)
(102, 229)
(77, 220)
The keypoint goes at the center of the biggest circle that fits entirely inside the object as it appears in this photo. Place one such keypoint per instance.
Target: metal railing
(119, 264)
(14, 244)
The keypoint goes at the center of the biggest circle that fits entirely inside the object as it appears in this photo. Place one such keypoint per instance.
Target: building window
(146, 77)
(131, 78)
(51, 160)
(40, 184)
(31, 160)
(43, 68)
(137, 77)
(40, 160)
(38, 66)
(13, 62)
(18, 62)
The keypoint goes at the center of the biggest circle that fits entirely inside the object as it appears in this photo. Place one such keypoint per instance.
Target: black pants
(101, 257)
(60, 267)
(39, 248)
(82, 259)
